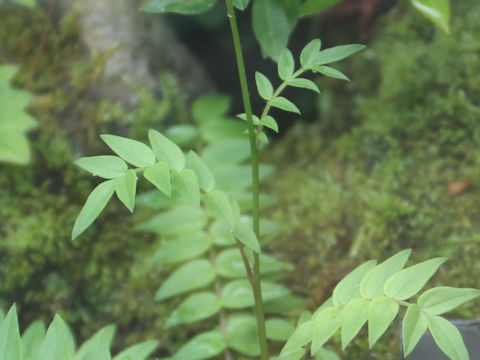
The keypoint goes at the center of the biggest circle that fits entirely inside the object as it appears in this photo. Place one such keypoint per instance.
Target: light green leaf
(325, 354)
(304, 83)
(244, 233)
(10, 345)
(438, 11)
(105, 166)
(271, 27)
(138, 351)
(279, 329)
(132, 151)
(222, 129)
(349, 287)
(336, 53)
(28, 3)
(310, 7)
(284, 104)
(269, 122)
(230, 264)
(414, 326)
(166, 150)
(406, 283)
(241, 4)
(32, 339)
(193, 275)
(172, 221)
(126, 188)
(382, 312)
(58, 342)
(442, 299)
(237, 294)
(219, 205)
(226, 152)
(371, 285)
(94, 205)
(264, 86)
(183, 248)
(330, 72)
(196, 307)
(204, 175)
(185, 185)
(98, 346)
(310, 52)
(159, 175)
(210, 107)
(181, 134)
(447, 337)
(293, 349)
(286, 64)
(202, 346)
(242, 334)
(243, 117)
(354, 316)
(327, 322)
(186, 7)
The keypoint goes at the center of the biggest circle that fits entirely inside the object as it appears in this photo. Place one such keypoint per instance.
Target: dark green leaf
(310, 7)
(349, 287)
(10, 345)
(204, 175)
(187, 7)
(159, 175)
(284, 104)
(271, 27)
(94, 205)
(336, 53)
(264, 86)
(309, 52)
(354, 316)
(286, 64)
(381, 313)
(132, 151)
(406, 283)
(126, 188)
(330, 72)
(202, 346)
(413, 327)
(304, 83)
(105, 166)
(166, 150)
(438, 11)
(196, 307)
(192, 275)
(138, 351)
(442, 299)
(244, 233)
(447, 337)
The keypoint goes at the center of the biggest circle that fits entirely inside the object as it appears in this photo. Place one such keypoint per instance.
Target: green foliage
(57, 342)
(437, 11)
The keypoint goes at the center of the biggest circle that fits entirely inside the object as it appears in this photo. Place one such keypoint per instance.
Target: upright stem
(256, 285)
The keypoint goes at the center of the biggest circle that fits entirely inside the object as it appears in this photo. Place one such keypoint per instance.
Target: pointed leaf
(32, 339)
(58, 342)
(244, 233)
(126, 188)
(219, 205)
(302, 335)
(304, 83)
(238, 294)
(438, 11)
(196, 307)
(349, 287)
(138, 352)
(286, 64)
(336, 53)
(325, 354)
(204, 175)
(193, 275)
(98, 346)
(105, 166)
(202, 346)
(264, 86)
(178, 6)
(406, 283)
(447, 337)
(241, 4)
(230, 264)
(354, 316)
(271, 27)
(132, 151)
(269, 122)
(279, 329)
(10, 345)
(330, 72)
(371, 285)
(414, 326)
(94, 205)
(185, 185)
(159, 175)
(327, 322)
(284, 104)
(310, 52)
(243, 117)
(442, 299)
(382, 312)
(166, 150)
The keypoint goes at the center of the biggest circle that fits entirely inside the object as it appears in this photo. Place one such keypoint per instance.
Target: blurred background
(385, 162)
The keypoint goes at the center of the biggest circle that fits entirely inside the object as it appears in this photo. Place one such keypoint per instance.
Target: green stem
(256, 285)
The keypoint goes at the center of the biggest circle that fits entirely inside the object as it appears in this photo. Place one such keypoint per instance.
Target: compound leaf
(126, 188)
(310, 52)
(293, 349)
(442, 299)
(330, 72)
(284, 104)
(354, 316)
(132, 151)
(94, 205)
(304, 83)
(105, 166)
(336, 53)
(406, 283)
(382, 312)
(270, 123)
(166, 150)
(159, 175)
(414, 326)
(286, 64)
(327, 322)
(348, 287)
(264, 86)
(447, 337)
